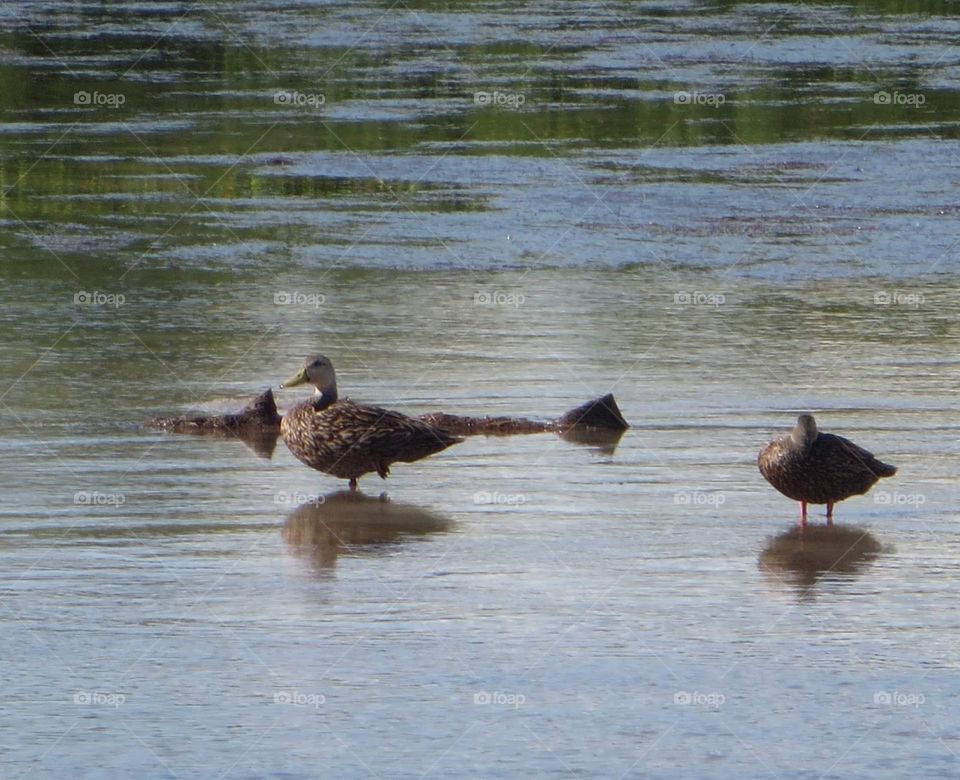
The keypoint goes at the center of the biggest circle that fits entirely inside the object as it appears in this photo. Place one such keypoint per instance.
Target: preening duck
(819, 468)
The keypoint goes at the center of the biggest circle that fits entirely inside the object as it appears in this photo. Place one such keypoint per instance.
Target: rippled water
(723, 213)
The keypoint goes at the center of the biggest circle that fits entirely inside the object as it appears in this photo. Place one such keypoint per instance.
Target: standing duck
(348, 440)
(819, 468)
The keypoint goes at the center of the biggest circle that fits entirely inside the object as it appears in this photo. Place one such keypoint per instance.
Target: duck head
(317, 371)
(804, 433)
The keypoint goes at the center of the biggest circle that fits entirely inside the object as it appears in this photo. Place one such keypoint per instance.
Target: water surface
(724, 213)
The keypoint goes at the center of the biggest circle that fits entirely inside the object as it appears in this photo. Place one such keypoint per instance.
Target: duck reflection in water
(802, 555)
(345, 522)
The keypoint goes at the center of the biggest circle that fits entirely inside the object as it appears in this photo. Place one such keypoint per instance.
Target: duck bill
(297, 379)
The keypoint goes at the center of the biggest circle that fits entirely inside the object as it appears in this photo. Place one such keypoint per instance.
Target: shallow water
(700, 207)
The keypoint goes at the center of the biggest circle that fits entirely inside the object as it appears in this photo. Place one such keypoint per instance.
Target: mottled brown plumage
(348, 440)
(819, 468)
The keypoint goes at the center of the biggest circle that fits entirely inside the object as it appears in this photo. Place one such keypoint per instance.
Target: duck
(819, 468)
(347, 439)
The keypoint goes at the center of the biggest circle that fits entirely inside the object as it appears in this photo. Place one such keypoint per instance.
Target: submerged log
(257, 425)
(602, 413)
(260, 417)
(487, 426)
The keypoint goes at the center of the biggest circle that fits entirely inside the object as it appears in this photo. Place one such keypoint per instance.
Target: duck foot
(803, 514)
(353, 484)
(829, 513)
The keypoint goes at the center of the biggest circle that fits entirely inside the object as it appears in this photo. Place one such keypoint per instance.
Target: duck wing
(388, 435)
(844, 455)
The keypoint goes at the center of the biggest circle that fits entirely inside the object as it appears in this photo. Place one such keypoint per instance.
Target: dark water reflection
(802, 556)
(404, 163)
(352, 523)
(603, 441)
(262, 443)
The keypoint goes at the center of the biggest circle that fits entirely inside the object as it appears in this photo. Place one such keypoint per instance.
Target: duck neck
(802, 440)
(324, 397)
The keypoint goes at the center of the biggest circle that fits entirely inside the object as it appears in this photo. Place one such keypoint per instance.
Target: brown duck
(819, 468)
(348, 440)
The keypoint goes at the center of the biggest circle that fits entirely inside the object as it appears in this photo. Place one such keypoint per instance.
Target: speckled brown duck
(348, 440)
(819, 468)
